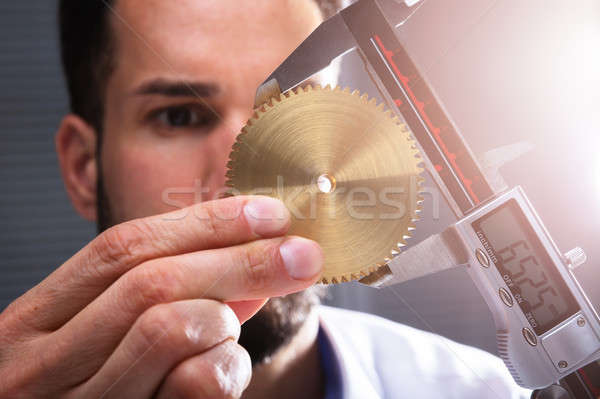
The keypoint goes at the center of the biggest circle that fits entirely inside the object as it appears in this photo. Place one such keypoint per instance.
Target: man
(154, 306)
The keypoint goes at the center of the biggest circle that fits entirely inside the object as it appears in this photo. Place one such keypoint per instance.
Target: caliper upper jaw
(266, 91)
(330, 40)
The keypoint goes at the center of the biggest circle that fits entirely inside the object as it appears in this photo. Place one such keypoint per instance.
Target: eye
(178, 117)
(185, 117)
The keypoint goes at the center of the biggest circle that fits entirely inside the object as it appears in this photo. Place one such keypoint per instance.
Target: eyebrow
(177, 88)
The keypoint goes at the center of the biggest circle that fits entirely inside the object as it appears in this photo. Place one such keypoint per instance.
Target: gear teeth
(227, 194)
(271, 103)
(263, 108)
(345, 278)
(233, 163)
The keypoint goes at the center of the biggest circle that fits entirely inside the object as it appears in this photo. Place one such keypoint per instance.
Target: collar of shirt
(344, 377)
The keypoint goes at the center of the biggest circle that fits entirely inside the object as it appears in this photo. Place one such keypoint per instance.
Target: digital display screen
(525, 266)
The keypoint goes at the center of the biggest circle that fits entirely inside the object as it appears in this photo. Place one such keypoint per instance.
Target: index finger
(207, 225)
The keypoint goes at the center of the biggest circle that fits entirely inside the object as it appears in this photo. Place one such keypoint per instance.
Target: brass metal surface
(346, 169)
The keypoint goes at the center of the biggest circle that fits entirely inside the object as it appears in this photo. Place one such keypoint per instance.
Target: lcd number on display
(525, 266)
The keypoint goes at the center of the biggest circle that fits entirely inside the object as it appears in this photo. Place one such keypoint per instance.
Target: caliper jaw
(330, 40)
(438, 252)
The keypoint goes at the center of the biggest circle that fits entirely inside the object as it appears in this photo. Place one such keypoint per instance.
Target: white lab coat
(382, 359)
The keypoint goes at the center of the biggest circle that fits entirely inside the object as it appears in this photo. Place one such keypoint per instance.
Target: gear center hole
(326, 183)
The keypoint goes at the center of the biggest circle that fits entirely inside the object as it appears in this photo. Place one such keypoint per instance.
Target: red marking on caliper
(436, 131)
(588, 381)
(398, 102)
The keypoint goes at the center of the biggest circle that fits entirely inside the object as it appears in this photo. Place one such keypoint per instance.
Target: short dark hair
(87, 55)
(87, 51)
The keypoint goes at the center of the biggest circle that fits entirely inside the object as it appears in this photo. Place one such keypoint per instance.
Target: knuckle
(242, 366)
(149, 285)
(122, 243)
(222, 318)
(213, 309)
(225, 378)
(215, 384)
(257, 267)
(209, 323)
(220, 217)
(189, 325)
(157, 322)
(209, 216)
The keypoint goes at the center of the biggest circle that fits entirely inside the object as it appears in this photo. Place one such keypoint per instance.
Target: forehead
(192, 37)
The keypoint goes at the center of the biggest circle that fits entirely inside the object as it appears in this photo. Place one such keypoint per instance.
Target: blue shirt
(331, 367)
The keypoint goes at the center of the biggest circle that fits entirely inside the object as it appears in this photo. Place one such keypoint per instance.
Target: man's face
(185, 76)
(183, 86)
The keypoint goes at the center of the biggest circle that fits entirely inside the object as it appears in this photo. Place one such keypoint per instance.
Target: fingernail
(267, 216)
(303, 259)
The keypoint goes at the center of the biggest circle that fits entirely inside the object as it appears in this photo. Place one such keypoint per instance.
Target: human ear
(76, 142)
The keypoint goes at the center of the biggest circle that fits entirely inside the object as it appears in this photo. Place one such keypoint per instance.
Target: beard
(272, 327)
(277, 323)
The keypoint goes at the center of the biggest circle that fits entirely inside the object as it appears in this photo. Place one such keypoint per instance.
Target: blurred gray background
(507, 71)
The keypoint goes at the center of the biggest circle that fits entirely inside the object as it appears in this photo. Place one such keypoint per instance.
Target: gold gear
(346, 169)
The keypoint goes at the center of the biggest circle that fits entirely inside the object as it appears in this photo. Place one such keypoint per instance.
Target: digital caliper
(546, 326)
